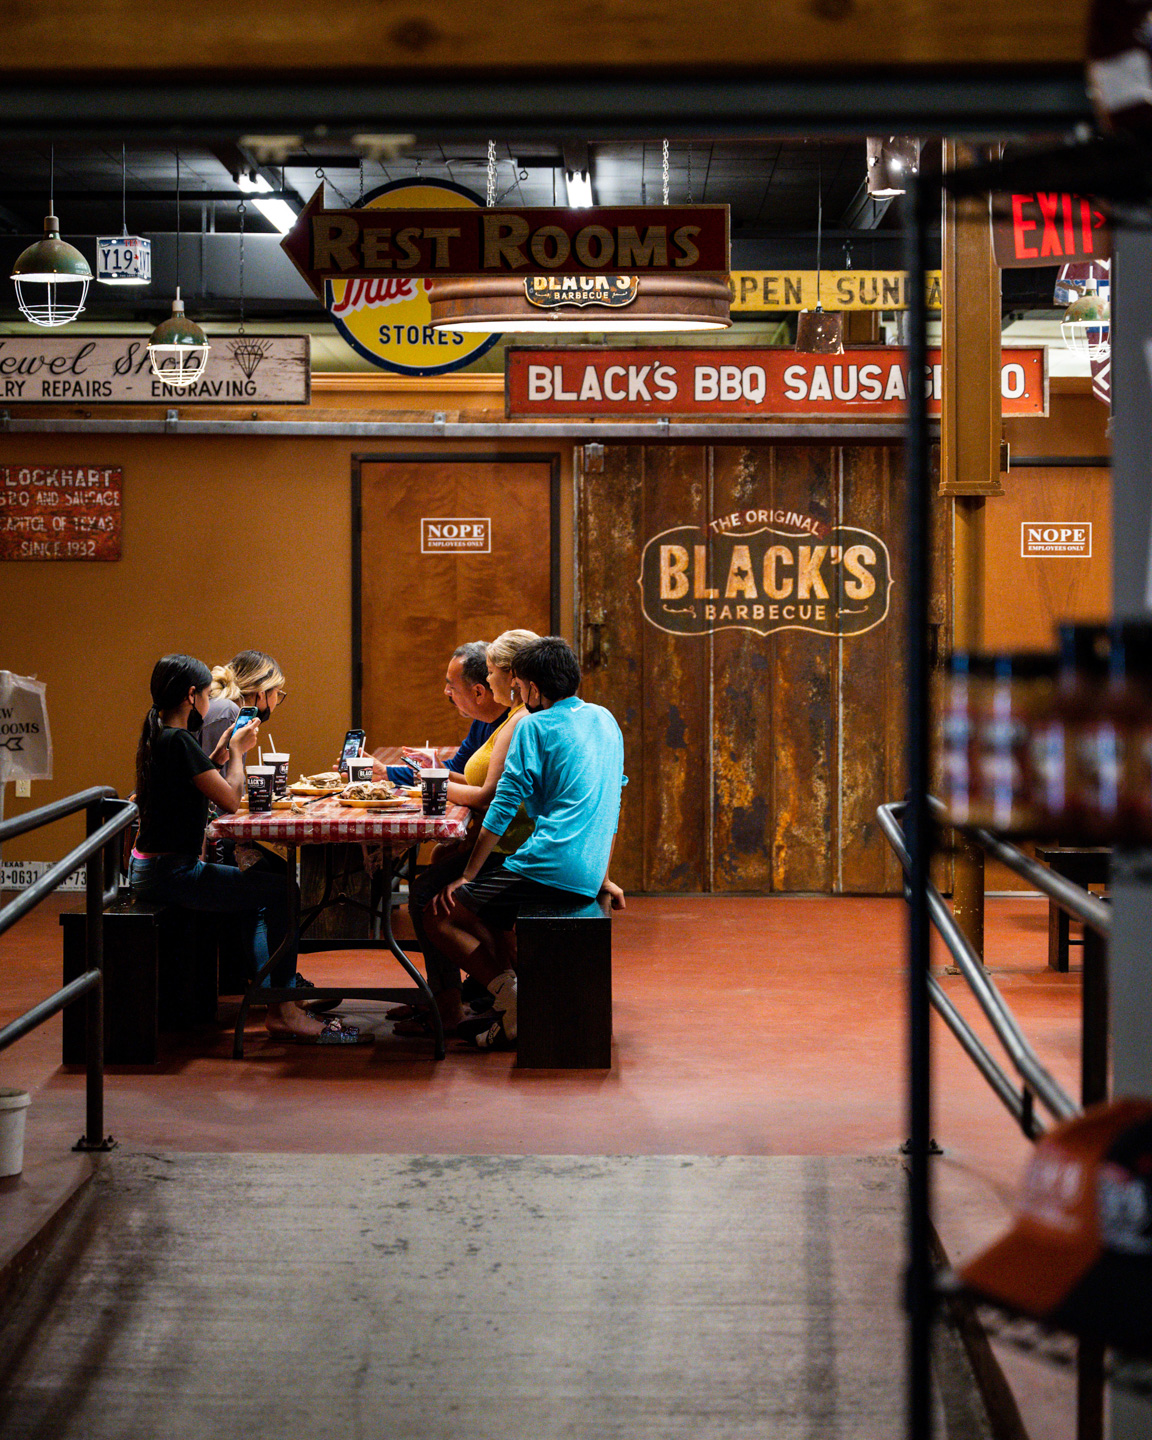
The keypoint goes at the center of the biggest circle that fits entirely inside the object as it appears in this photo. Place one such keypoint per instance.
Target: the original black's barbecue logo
(549, 291)
(830, 582)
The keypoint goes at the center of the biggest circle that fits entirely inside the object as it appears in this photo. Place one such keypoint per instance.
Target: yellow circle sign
(389, 320)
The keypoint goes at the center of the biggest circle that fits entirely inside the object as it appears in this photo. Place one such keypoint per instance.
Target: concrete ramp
(268, 1297)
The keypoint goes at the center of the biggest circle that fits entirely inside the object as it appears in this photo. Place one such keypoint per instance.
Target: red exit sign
(1048, 228)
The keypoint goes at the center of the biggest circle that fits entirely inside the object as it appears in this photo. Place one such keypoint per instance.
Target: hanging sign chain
(665, 172)
(123, 190)
(491, 173)
(241, 210)
(690, 200)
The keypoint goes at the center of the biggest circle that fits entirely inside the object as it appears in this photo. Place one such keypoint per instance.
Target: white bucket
(13, 1110)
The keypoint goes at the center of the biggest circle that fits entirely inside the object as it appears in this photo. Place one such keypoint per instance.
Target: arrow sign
(426, 244)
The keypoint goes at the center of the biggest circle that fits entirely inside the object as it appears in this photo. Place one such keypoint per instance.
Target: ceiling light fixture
(123, 259)
(45, 267)
(579, 188)
(178, 349)
(819, 332)
(893, 160)
(279, 212)
(563, 304)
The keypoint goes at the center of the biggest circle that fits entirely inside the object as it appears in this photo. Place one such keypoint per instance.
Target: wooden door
(448, 548)
(758, 746)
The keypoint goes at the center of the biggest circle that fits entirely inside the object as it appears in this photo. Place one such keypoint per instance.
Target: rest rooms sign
(60, 512)
(644, 239)
(765, 570)
(115, 370)
(722, 382)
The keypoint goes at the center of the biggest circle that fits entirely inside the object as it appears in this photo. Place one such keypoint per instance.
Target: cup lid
(432, 773)
(260, 769)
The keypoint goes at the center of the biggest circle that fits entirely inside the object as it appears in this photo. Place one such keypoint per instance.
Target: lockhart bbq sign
(60, 512)
(106, 370)
(426, 243)
(867, 384)
(765, 570)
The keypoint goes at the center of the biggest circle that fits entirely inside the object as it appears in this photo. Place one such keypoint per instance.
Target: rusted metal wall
(755, 761)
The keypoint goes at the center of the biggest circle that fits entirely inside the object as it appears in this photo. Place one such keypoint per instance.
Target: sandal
(405, 1012)
(337, 1033)
(415, 1027)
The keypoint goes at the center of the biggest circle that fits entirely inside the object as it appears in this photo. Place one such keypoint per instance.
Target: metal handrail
(1036, 1078)
(97, 853)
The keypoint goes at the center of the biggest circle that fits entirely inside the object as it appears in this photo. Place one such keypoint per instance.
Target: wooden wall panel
(744, 740)
(676, 745)
(804, 758)
(610, 522)
(870, 709)
(416, 608)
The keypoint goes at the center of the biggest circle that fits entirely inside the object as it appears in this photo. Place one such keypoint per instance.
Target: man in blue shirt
(465, 687)
(566, 766)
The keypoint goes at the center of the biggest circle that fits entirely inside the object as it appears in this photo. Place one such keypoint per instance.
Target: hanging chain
(123, 190)
(491, 173)
(690, 200)
(241, 210)
(819, 220)
(177, 222)
(664, 172)
(360, 197)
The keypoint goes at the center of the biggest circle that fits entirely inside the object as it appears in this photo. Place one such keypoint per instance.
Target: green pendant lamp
(51, 277)
(178, 349)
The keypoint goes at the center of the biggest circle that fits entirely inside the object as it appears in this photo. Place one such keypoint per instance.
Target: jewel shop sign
(115, 370)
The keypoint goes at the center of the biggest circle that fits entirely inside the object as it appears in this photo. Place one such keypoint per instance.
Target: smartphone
(247, 713)
(350, 749)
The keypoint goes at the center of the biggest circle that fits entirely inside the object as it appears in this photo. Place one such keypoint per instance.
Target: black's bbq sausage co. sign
(868, 384)
(639, 239)
(765, 570)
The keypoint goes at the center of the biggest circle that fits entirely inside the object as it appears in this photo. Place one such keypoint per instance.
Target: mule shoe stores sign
(114, 370)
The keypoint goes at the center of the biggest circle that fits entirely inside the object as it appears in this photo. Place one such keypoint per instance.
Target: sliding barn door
(741, 614)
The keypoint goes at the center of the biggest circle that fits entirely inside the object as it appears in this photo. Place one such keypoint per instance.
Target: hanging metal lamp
(819, 331)
(47, 274)
(573, 304)
(1087, 323)
(178, 349)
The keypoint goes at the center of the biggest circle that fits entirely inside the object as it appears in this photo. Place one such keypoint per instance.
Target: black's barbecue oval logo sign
(837, 583)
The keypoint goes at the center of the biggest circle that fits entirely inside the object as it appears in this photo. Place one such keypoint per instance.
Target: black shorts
(497, 895)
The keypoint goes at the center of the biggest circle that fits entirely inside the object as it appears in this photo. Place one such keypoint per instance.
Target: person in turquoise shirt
(566, 767)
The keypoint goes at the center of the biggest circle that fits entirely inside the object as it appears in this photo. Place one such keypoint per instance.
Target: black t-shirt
(177, 811)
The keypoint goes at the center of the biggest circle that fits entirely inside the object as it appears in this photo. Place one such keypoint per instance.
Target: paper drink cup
(280, 763)
(360, 771)
(434, 788)
(261, 784)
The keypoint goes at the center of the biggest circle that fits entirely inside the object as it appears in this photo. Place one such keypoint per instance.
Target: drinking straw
(271, 747)
(259, 755)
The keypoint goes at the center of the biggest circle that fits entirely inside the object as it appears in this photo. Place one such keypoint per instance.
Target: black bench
(160, 973)
(564, 987)
(1084, 865)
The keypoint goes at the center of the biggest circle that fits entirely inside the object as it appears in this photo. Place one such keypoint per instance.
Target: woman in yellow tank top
(485, 766)
(481, 776)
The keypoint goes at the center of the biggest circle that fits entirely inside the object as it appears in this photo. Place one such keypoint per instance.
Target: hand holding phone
(417, 759)
(249, 720)
(353, 744)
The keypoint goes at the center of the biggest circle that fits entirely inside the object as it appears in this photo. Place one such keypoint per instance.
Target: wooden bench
(564, 987)
(159, 974)
(1084, 865)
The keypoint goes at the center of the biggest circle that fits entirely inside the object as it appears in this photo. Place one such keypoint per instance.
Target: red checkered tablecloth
(325, 822)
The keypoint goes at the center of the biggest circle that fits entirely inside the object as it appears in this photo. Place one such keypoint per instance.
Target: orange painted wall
(227, 543)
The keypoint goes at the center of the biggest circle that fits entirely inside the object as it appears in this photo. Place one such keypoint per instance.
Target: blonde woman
(250, 678)
(482, 772)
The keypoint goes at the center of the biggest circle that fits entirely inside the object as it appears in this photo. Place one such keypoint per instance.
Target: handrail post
(94, 874)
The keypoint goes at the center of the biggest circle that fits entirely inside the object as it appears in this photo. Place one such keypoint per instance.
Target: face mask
(195, 721)
(533, 709)
(264, 713)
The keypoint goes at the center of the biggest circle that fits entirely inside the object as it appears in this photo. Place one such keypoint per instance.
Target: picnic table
(326, 822)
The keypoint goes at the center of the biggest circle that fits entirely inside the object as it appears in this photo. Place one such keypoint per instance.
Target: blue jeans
(257, 898)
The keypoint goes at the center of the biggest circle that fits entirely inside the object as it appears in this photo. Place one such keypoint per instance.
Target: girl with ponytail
(175, 780)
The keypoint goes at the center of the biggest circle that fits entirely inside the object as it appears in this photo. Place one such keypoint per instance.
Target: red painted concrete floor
(745, 1026)
(742, 1026)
